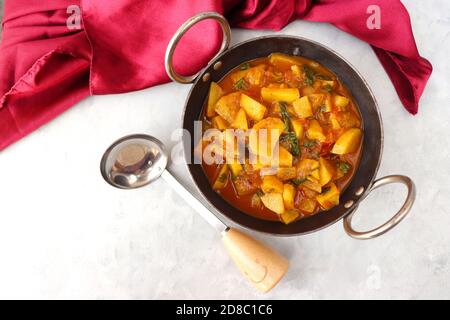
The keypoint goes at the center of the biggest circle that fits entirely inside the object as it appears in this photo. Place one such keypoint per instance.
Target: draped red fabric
(48, 61)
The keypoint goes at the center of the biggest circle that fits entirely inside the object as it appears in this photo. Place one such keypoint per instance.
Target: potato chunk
(271, 184)
(215, 92)
(274, 128)
(297, 126)
(296, 70)
(255, 75)
(280, 94)
(340, 101)
(290, 216)
(281, 58)
(270, 123)
(348, 142)
(328, 84)
(236, 168)
(219, 123)
(330, 197)
(288, 196)
(334, 122)
(285, 174)
(284, 158)
(327, 171)
(253, 108)
(274, 202)
(306, 167)
(228, 106)
(311, 185)
(315, 131)
(306, 91)
(314, 176)
(238, 75)
(307, 205)
(316, 100)
(326, 106)
(348, 119)
(240, 121)
(244, 186)
(231, 144)
(275, 110)
(302, 107)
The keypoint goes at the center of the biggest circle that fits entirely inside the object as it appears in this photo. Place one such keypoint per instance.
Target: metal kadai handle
(391, 223)
(168, 61)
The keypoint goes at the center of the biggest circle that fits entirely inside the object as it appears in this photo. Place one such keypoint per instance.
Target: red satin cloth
(45, 67)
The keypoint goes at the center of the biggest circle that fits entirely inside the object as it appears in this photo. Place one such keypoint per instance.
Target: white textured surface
(64, 233)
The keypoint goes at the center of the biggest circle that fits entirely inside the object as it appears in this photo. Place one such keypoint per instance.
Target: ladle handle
(206, 214)
(260, 264)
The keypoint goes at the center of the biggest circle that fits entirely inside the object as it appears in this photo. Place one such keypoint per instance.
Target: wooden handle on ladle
(260, 264)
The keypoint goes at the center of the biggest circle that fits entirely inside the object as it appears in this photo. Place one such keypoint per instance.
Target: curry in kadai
(298, 142)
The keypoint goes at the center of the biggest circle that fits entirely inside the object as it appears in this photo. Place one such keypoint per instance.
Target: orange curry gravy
(326, 126)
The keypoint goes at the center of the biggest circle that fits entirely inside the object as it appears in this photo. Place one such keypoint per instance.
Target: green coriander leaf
(291, 138)
(295, 149)
(323, 77)
(309, 75)
(328, 88)
(245, 66)
(298, 182)
(343, 166)
(325, 190)
(285, 116)
(309, 143)
(222, 178)
(241, 84)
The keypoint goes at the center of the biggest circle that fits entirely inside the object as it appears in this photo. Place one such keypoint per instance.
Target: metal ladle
(137, 160)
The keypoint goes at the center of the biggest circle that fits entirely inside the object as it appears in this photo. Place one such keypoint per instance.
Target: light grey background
(64, 233)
